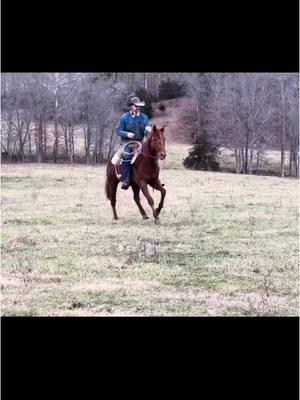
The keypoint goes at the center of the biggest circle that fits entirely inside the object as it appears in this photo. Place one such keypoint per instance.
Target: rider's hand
(130, 135)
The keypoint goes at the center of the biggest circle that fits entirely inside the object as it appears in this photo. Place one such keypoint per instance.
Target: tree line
(43, 112)
(44, 115)
(249, 113)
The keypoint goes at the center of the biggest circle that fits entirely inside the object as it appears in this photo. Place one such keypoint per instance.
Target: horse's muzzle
(162, 156)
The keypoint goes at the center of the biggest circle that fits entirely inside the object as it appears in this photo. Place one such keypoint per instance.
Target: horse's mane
(153, 130)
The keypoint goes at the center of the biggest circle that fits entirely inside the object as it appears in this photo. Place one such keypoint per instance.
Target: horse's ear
(163, 128)
(154, 128)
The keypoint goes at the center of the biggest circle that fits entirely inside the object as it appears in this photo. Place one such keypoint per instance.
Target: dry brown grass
(227, 244)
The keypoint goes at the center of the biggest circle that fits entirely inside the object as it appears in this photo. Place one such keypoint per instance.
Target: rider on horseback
(134, 126)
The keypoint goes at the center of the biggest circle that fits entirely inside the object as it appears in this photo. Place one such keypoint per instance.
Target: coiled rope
(134, 151)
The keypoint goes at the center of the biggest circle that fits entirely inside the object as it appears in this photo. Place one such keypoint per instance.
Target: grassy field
(226, 245)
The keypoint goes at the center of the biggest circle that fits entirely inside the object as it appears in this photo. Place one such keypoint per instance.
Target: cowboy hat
(137, 102)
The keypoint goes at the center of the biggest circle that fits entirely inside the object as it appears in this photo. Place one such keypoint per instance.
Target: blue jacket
(134, 124)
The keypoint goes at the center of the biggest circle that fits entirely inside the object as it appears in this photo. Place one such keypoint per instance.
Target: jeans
(126, 166)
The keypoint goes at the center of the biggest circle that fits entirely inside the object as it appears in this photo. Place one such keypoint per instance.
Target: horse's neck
(147, 160)
(146, 149)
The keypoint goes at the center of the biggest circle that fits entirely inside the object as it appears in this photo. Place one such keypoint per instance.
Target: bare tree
(68, 115)
(145, 80)
(40, 104)
(53, 83)
(282, 83)
(259, 110)
(292, 123)
(198, 88)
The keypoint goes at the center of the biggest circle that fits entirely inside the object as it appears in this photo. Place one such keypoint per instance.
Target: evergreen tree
(203, 155)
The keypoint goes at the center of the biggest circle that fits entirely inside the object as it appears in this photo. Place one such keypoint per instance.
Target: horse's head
(157, 142)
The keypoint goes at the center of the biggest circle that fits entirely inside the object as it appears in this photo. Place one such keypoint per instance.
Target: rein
(148, 155)
(139, 149)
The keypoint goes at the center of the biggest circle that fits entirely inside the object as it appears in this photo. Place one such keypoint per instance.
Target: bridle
(148, 155)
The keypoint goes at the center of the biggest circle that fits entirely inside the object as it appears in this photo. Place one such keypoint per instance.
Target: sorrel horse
(145, 172)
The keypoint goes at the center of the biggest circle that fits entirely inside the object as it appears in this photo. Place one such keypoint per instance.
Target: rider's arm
(148, 127)
(121, 128)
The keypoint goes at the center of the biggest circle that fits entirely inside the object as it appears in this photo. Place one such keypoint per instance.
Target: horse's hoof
(145, 217)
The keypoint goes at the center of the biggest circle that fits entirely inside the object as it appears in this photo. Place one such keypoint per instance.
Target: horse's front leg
(144, 187)
(158, 186)
(136, 192)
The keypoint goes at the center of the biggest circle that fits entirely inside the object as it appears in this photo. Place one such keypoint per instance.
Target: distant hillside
(178, 117)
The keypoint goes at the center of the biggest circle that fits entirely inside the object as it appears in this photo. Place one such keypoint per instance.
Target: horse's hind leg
(111, 185)
(136, 192)
(113, 197)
